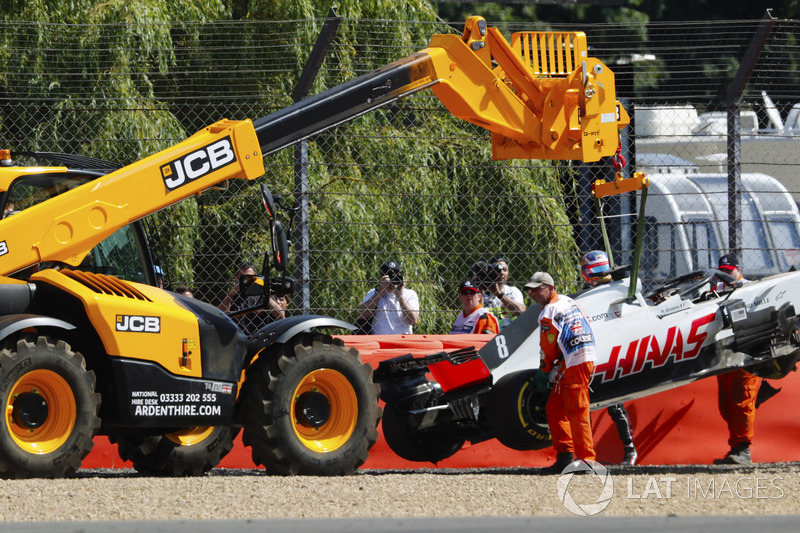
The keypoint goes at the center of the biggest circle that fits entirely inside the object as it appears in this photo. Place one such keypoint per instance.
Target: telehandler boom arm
(544, 99)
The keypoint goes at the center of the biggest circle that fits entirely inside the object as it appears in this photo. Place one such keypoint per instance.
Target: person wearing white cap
(568, 355)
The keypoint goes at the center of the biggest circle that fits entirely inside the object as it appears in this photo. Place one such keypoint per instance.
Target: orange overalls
(567, 408)
(737, 404)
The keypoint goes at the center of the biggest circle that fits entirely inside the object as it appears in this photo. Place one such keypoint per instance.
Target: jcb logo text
(198, 164)
(3, 248)
(139, 324)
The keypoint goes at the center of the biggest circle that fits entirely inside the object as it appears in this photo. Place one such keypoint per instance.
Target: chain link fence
(409, 182)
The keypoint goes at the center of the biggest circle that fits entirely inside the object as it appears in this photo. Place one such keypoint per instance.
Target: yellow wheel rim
(61, 412)
(190, 436)
(339, 425)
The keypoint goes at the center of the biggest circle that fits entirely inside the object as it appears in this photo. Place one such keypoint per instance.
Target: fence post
(301, 233)
(735, 90)
(734, 179)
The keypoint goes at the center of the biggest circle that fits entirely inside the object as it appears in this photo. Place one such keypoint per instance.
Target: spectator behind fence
(390, 308)
(185, 291)
(235, 301)
(474, 318)
(159, 276)
(503, 300)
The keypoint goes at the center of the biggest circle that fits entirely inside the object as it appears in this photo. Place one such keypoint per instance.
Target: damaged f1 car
(647, 341)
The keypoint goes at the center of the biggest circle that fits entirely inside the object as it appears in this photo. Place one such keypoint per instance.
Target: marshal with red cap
(728, 263)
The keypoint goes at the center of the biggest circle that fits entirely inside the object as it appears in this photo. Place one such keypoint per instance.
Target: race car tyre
(412, 444)
(309, 407)
(51, 408)
(515, 412)
(187, 452)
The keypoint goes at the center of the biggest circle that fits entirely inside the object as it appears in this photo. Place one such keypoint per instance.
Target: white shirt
(721, 285)
(493, 304)
(466, 324)
(388, 318)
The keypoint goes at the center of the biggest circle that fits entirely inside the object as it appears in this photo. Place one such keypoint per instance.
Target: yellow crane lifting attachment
(545, 99)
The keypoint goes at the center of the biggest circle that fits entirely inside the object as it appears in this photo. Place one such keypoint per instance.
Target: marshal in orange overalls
(567, 339)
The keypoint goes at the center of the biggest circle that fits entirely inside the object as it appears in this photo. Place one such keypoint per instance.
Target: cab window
(28, 191)
(121, 254)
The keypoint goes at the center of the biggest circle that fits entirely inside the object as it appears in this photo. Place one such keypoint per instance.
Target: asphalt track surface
(386, 491)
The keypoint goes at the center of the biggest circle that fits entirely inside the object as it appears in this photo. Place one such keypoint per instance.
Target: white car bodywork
(645, 346)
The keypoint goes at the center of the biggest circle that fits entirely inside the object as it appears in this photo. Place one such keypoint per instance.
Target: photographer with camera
(235, 301)
(503, 300)
(390, 308)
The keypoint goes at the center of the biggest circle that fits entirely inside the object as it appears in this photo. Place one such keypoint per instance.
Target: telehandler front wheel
(51, 409)
(187, 452)
(310, 407)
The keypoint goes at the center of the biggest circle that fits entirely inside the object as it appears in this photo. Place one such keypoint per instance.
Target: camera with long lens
(396, 278)
(486, 273)
(250, 285)
(283, 286)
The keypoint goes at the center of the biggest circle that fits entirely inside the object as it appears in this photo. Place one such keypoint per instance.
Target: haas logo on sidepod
(655, 351)
(199, 163)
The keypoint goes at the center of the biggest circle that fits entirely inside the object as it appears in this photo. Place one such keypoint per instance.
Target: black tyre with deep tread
(311, 385)
(166, 455)
(410, 443)
(52, 440)
(515, 412)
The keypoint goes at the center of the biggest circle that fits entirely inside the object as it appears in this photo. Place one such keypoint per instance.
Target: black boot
(630, 456)
(563, 460)
(739, 455)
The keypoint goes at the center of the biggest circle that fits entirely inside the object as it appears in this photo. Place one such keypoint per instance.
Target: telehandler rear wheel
(310, 407)
(51, 409)
(187, 452)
